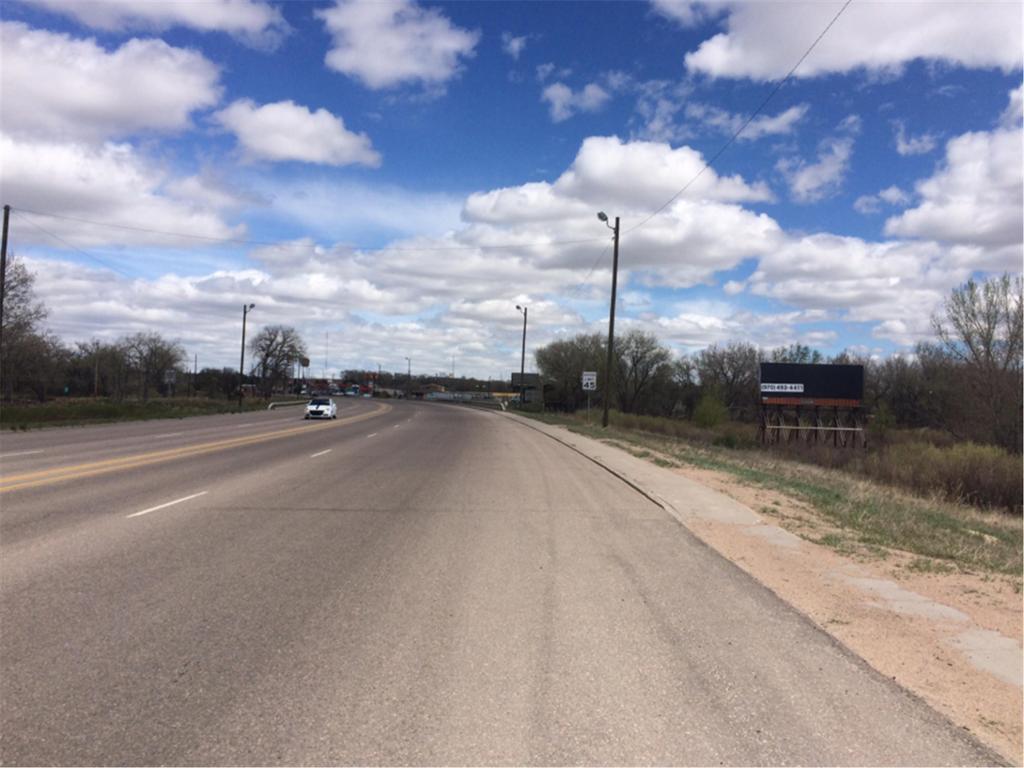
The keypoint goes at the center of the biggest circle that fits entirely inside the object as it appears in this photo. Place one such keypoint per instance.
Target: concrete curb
(272, 406)
(649, 495)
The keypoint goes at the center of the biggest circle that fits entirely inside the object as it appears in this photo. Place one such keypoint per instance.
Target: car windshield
(319, 401)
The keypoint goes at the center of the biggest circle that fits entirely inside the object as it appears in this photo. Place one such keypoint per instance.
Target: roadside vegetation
(944, 422)
(81, 411)
(865, 516)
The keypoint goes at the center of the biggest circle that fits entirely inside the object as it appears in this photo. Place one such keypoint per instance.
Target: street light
(522, 360)
(246, 309)
(611, 317)
(408, 386)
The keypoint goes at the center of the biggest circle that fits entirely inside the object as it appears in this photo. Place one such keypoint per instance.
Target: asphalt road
(413, 583)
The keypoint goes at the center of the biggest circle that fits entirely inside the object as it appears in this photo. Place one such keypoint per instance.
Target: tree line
(967, 382)
(35, 363)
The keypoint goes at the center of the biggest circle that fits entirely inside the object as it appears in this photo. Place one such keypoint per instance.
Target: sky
(393, 178)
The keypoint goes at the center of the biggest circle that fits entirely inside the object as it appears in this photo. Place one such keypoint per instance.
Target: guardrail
(272, 406)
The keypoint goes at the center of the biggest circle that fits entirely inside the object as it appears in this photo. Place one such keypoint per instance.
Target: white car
(321, 408)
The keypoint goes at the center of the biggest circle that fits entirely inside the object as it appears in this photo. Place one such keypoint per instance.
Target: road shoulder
(952, 639)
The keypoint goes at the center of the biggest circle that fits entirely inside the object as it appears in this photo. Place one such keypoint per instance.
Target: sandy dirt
(932, 632)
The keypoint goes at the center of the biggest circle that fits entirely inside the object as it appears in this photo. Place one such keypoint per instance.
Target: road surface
(410, 584)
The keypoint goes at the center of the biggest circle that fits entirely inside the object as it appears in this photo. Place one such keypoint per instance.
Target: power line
(578, 288)
(66, 244)
(278, 244)
(747, 122)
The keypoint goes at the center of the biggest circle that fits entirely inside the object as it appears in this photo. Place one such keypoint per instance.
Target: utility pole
(522, 360)
(409, 385)
(3, 270)
(611, 319)
(241, 363)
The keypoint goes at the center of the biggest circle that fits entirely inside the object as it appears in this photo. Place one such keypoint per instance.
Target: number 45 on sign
(590, 381)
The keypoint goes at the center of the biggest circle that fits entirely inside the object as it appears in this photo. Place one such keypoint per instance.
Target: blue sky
(351, 168)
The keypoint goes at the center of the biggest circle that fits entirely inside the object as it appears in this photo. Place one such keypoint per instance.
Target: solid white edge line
(320, 454)
(373, 435)
(19, 453)
(168, 504)
(169, 434)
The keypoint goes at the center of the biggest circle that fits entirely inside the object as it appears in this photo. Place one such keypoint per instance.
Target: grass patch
(867, 515)
(69, 412)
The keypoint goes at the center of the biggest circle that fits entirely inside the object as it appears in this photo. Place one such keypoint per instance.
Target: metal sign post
(589, 385)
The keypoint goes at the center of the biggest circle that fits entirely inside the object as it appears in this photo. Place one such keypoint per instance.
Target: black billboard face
(803, 384)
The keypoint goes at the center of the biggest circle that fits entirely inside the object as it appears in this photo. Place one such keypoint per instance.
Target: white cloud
(644, 174)
(94, 94)
(867, 204)
(892, 195)
(513, 45)
(810, 182)
(389, 44)
(761, 39)
(976, 197)
(252, 20)
(763, 125)
(564, 102)
(1014, 112)
(288, 131)
(913, 145)
(874, 282)
(109, 183)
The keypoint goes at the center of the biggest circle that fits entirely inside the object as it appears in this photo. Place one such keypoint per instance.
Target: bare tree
(151, 356)
(23, 316)
(276, 348)
(561, 364)
(641, 361)
(795, 353)
(732, 370)
(981, 331)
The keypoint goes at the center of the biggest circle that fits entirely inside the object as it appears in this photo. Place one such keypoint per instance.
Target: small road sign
(590, 381)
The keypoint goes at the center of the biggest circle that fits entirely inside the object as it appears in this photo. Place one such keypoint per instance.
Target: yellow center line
(75, 471)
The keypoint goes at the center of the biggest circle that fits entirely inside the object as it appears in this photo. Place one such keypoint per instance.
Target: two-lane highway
(420, 584)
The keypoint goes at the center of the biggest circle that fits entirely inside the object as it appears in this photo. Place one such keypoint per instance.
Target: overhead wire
(493, 246)
(71, 246)
(732, 139)
(300, 246)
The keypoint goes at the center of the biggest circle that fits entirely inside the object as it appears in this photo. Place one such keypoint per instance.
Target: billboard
(530, 380)
(812, 385)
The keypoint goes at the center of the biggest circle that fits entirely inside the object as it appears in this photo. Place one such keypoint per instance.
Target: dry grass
(868, 514)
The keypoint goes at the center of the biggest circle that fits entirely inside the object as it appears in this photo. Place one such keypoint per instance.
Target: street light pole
(522, 360)
(246, 309)
(611, 318)
(408, 386)
(3, 268)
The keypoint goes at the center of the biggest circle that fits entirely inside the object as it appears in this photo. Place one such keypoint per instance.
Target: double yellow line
(91, 469)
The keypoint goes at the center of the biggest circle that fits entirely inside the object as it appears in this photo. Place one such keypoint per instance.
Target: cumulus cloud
(91, 93)
(253, 21)
(564, 102)
(810, 182)
(976, 197)
(892, 195)
(875, 282)
(912, 145)
(384, 45)
(728, 122)
(111, 183)
(513, 45)
(760, 39)
(285, 130)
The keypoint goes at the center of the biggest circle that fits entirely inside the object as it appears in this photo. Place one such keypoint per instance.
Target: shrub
(710, 411)
(982, 475)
